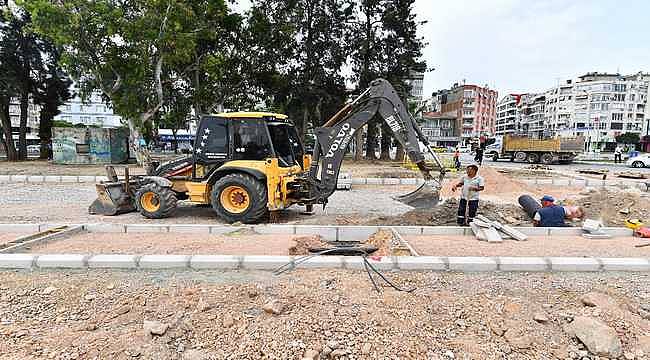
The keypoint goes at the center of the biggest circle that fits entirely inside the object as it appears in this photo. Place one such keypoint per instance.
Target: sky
(520, 46)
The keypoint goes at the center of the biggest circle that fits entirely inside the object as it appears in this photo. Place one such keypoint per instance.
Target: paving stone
(259, 262)
(17, 261)
(408, 230)
(189, 228)
(86, 179)
(106, 228)
(5, 178)
(625, 264)
(69, 179)
(355, 233)
(19, 228)
(202, 262)
(64, 261)
(408, 181)
(443, 230)
(328, 233)
(356, 262)
(113, 261)
(322, 262)
(274, 229)
(164, 261)
(421, 263)
(472, 263)
(52, 179)
(35, 179)
(574, 264)
(391, 181)
(523, 264)
(141, 228)
(373, 181)
(18, 178)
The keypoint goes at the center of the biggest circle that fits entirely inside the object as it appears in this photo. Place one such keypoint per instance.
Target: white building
(599, 107)
(532, 112)
(33, 120)
(508, 119)
(93, 111)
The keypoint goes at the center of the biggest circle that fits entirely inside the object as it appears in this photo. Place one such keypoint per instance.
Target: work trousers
(466, 211)
(618, 158)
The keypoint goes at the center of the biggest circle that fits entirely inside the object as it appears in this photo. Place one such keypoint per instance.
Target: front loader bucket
(112, 199)
(425, 196)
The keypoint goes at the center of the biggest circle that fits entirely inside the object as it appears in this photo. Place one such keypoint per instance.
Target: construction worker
(471, 185)
(618, 155)
(550, 214)
(457, 159)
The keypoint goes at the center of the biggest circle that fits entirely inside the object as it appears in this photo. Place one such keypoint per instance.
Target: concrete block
(164, 262)
(113, 261)
(329, 233)
(275, 229)
(18, 178)
(356, 262)
(101, 178)
(561, 182)
(203, 262)
(16, 261)
(142, 228)
(471, 263)
(5, 178)
(35, 179)
(322, 262)
(52, 179)
(625, 264)
(574, 264)
(618, 231)
(443, 230)
(595, 182)
(69, 179)
(106, 228)
(374, 181)
(579, 182)
(564, 231)
(408, 230)
(408, 181)
(358, 181)
(223, 229)
(262, 262)
(391, 181)
(61, 261)
(19, 228)
(421, 263)
(356, 233)
(523, 264)
(544, 181)
(189, 228)
(534, 231)
(86, 179)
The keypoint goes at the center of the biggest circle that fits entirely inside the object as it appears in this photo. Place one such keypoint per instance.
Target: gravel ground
(251, 315)
(534, 246)
(6, 237)
(69, 203)
(182, 244)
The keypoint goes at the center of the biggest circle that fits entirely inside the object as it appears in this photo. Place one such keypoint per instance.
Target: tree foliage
(628, 138)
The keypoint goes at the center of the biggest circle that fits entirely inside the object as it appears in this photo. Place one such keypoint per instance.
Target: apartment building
(93, 111)
(508, 117)
(474, 108)
(33, 120)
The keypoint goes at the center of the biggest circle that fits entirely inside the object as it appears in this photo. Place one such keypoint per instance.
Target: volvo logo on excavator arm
(393, 124)
(341, 140)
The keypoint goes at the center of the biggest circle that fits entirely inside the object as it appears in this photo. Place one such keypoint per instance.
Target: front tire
(154, 201)
(638, 164)
(240, 197)
(533, 158)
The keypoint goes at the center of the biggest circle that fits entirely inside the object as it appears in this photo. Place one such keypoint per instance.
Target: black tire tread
(258, 210)
(167, 197)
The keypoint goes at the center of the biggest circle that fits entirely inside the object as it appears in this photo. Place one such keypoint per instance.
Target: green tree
(628, 138)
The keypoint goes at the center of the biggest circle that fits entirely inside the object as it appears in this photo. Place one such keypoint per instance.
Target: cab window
(250, 140)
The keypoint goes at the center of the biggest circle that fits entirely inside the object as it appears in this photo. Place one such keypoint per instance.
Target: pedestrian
(471, 185)
(618, 155)
(457, 159)
(479, 155)
(550, 214)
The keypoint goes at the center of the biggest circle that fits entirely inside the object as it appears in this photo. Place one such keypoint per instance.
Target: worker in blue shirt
(549, 215)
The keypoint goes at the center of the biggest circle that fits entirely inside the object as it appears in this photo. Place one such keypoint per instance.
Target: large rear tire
(520, 156)
(154, 201)
(240, 197)
(533, 158)
(546, 158)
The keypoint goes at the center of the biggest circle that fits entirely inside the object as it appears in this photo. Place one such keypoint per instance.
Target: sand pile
(304, 243)
(382, 239)
(614, 207)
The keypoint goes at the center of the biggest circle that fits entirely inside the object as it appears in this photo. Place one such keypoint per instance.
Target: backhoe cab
(247, 164)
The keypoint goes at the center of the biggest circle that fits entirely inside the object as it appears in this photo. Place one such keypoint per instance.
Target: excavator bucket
(112, 199)
(425, 196)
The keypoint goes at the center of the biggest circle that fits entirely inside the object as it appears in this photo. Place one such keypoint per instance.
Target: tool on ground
(247, 165)
(593, 229)
(633, 224)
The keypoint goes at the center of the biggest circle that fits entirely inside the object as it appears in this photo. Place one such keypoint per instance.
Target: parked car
(33, 149)
(642, 160)
(464, 149)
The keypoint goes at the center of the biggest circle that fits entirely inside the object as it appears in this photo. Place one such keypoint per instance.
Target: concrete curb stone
(204, 262)
(109, 261)
(17, 261)
(62, 261)
(164, 262)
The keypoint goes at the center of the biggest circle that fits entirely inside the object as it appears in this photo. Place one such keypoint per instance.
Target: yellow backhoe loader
(248, 164)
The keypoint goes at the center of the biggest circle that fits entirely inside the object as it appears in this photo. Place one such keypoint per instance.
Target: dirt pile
(304, 243)
(382, 239)
(614, 207)
(445, 214)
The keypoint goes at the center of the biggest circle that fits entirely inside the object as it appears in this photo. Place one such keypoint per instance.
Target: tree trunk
(371, 138)
(141, 152)
(5, 120)
(386, 140)
(358, 141)
(175, 141)
(22, 135)
(399, 154)
(45, 133)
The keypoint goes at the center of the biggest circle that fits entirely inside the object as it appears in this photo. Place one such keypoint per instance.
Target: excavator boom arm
(333, 138)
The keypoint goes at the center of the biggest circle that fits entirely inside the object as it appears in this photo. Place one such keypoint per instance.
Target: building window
(617, 117)
(616, 126)
(85, 120)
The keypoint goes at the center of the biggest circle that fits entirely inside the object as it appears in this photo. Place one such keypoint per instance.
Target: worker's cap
(474, 165)
(547, 198)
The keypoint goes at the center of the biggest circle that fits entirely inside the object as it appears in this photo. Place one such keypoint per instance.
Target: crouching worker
(471, 184)
(549, 215)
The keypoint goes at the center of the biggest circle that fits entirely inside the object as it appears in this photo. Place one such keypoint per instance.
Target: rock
(449, 354)
(561, 353)
(120, 311)
(49, 290)
(91, 326)
(643, 344)
(110, 286)
(366, 348)
(511, 308)
(195, 354)
(310, 354)
(517, 339)
(228, 321)
(628, 355)
(155, 327)
(540, 318)
(325, 352)
(599, 338)
(274, 307)
(90, 297)
(497, 327)
(589, 299)
(203, 305)
(338, 353)
(332, 344)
